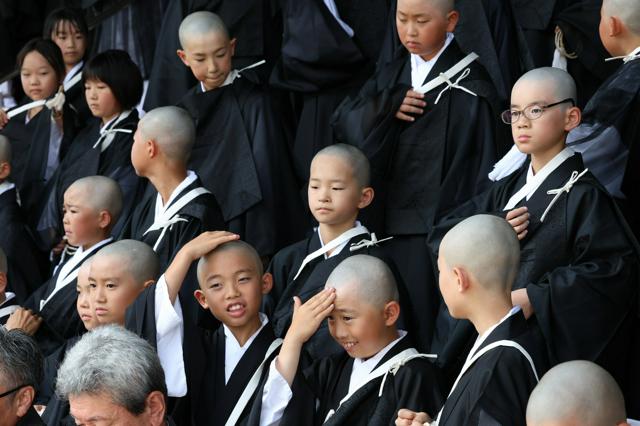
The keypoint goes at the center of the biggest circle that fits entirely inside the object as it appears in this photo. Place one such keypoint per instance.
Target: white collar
(338, 249)
(191, 177)
(480, 340)
(7, 296)
(6, 186)
(229, 335)
(420, 68)
(227, 81)
(72, 72)
(361, 367)
(233, 352)
(114, 121)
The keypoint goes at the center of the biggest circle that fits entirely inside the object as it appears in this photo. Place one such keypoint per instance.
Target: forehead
(327, 165)
(527, 91)
(35, 59)
(416, 7)
(205, 42)
(109, 266)
(65, 26)
(76, 194)
(229, 262)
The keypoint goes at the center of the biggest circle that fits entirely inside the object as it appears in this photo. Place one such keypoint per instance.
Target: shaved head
(369, 276)
(444, 6)
(576, 393)
(100, 193)
(5, 149)
(137, 258)
(487, 248)
(245, 248)
(172, 129)
(83, 272)
(351, 155)
(200, 23)
(556, 83)
(628, 11)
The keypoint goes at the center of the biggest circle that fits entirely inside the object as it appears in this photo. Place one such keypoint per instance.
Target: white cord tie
(558, 192)
(367, 243)
(456, 85)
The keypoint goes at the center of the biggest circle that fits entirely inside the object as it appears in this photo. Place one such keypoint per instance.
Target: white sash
(69, 84)
(534, 183)
(8, 310)
(343, 238)
(107, 135)
(25, 107)
(392, 364)
(251, 386)
(169, 216)
(480, 353)
(445, 77)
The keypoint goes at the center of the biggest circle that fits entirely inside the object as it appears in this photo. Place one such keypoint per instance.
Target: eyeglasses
(9, 392)
(532, 112)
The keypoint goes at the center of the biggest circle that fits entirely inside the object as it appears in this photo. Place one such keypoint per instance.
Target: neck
(430, 55)
(539, 160)
(331, 232)
(630, 45)
(390, 334)
(105, 120)
(68, 68)
(244, 332)
(167, 181)
(492, 311)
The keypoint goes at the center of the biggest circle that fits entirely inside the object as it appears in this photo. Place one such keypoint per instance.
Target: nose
(65, 218)
(339, 330)
(98, 294)
(412, 29)
(212, 66)
(232, 291)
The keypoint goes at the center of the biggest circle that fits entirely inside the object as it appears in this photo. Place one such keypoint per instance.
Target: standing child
(431, 140)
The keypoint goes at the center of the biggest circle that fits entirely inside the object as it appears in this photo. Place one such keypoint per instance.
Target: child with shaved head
(578, 260)
(91, 207)
(338, 191)
(576, 393)
(240, 150)
(478, 262)
(431, 139)
(378, 371)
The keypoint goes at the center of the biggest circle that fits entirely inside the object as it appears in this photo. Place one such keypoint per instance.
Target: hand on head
(307, 317)
(207, 242)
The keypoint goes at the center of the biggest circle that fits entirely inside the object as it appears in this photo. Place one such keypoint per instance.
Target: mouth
(523, 138)
(323, 210)
(86, 317)
(411, 44)
(236, 310)
(348, 346)
(101, 312)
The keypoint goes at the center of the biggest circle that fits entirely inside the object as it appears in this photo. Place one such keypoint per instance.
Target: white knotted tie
(558, 192)
(395, 367)
(164, 225)
(55, 103)
(367, 243)
(456, 85)
(107, 133)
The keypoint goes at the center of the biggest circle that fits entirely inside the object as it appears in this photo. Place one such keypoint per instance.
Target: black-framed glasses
(9, 392)
(532, 112)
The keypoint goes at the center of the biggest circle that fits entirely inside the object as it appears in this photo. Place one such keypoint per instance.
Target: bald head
(487, 248)
(5, 149)
(576, 393)
(100, 193)
(369, 276)
(172, 129)
(628, 11)
(552, 82)
(443, 6)
(198, 24)
(351, 155)
(136, 258)
(242, 247)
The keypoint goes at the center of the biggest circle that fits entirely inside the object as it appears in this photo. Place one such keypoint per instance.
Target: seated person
(20, 370)
(576, 393)
(338, 190)
(95, 378)
(377, 373)
(478, 263)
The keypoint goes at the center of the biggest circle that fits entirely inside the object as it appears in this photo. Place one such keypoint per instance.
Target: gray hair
(355, 158)
(172, 128)
(373, 280)
(101, 193)
(628, 11)
(3, 262)
(5, 149)
(112, 361)
(138, 258)
(199, 23)
(242, 246)
(20, 359)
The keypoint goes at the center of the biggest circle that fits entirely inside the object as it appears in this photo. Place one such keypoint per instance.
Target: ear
(452, 20)
(572, 118)
(463, 279)
(151, 148)
(391, 313)
(23, 400)
(366, 197)
(267, 282)
(155, 408)
(614, 26)
(199, 295)
(183, 56)
(232, 46)
(5, 170)
(148, 283)
(3, 282)
(104, 219)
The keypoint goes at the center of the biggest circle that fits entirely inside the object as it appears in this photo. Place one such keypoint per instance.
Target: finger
(413, 101)
(319, 297)
(421, 418)
(411, 109)
(404, 117)
(522, 234)
(326, 312)
(414, 94)
(516, 221)
(406, 414)
(296, 303)
(516, 212)
(403, 422)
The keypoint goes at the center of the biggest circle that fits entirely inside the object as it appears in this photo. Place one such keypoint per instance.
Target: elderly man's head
(20, 371)
(111, 375)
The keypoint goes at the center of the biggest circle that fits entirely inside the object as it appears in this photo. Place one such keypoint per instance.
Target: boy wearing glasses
(579, 265)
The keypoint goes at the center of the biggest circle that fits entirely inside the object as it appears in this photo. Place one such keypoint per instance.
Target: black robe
(284, 266)
(202, 214)
(424, 169)
(579, 266)
(319, 65)
(320, 387)
(5, 308)
(26, 264)
(209, 400)
(241, 156)
(60, 314)
(77, 102)
(496, 388)
(84, 160)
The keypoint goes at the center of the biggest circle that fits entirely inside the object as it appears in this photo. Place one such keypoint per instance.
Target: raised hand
(519, 220)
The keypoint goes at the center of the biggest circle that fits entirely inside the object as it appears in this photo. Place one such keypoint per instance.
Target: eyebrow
(331, 180)
(345, 310)
(239, 271)
(529, 104)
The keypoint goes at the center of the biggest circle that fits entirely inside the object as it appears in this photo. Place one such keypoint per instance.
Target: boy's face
(82, 224)
(209, 57)
(113, 289)
(71, 42)
(335, 197)
(359, 327)
(422, 27)
(83, 303)
(546, 132)
(232, 288)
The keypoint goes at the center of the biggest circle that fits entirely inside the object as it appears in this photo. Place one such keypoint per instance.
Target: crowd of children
(443, 272)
